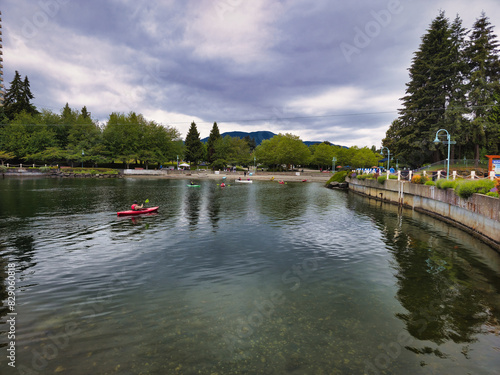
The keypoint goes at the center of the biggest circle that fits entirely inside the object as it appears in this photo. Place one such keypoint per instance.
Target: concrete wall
(479, 215)
(144, 172)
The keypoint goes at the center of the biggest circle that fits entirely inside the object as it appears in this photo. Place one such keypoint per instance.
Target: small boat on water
(189, 185)
(138, 212)
(244, 181)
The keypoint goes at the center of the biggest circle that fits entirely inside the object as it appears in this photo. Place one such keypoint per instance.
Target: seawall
(478, 215)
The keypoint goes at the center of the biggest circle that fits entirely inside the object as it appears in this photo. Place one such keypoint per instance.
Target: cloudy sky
(320, 69)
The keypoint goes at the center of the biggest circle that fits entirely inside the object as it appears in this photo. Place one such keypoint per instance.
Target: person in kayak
(191, 183)
(136, 207)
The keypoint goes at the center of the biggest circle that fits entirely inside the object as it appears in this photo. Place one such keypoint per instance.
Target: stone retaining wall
(479, 215)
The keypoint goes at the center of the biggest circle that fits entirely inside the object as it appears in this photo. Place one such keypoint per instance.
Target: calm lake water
(250, 279)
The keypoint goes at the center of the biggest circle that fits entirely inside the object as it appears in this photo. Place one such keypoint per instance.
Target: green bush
(465, 189)
(337, 177)
(45, 169)
(381, 179)
(446, 184)
(365, 176)
(393, 177)
(430, 183)
(3, 169)
(493, 194)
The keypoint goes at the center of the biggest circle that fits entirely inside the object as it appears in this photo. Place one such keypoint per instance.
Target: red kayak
(138, 212)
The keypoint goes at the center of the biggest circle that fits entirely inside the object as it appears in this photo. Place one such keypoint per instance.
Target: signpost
(494, 164)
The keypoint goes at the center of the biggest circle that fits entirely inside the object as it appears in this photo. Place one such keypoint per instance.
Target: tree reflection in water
(445, 290)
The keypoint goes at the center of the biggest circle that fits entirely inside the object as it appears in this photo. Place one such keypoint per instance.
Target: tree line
(454, 85)
(73, 136)
(281, 151)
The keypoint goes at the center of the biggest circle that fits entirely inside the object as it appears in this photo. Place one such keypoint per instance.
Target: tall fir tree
(428, 96)
(194, 147)
(251, 142)
(18, 97)
(212, 139)
(482, 56)
(455, 116)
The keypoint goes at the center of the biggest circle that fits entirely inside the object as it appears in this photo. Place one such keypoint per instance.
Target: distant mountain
(259, 137)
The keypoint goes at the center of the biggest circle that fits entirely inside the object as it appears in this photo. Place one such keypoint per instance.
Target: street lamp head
(436, 140)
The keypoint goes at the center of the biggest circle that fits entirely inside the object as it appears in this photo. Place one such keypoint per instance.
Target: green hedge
(465, 189)
(446, 184)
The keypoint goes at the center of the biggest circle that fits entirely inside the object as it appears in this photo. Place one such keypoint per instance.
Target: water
(250, 279)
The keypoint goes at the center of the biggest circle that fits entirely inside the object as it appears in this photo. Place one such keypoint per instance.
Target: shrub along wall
(479, 214)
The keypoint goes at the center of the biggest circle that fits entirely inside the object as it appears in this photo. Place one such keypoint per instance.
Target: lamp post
(334, 159)
(83, 154)
(449, 142)
(254, 166)
(388, 155)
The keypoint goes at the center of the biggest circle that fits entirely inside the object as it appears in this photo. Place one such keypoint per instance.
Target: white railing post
(388, 173)
(454, 175)
(424, 173)
(439, 175)
(399, 175)
(473, 175)
(410, 175)
(492, 175)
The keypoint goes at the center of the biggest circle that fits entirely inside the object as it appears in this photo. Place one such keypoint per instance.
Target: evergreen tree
(251, 142)
(18, 97)
(428, 95)
(455, 116)
(194, 147)
(482, 54)
(85, 113)
(212, 139)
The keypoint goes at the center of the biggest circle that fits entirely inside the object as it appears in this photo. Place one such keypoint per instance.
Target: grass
(337, 177)
(90, 171)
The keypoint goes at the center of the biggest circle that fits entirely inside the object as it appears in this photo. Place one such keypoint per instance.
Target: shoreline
(308, 176)
(231, 176)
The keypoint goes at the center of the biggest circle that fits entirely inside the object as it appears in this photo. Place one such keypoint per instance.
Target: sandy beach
(309, 175)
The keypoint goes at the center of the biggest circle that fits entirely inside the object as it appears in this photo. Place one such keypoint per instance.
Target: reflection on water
(258, 279)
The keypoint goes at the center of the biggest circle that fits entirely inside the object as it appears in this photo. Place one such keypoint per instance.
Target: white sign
(496, 166)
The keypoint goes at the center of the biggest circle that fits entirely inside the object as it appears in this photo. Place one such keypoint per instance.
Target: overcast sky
(320, 69)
